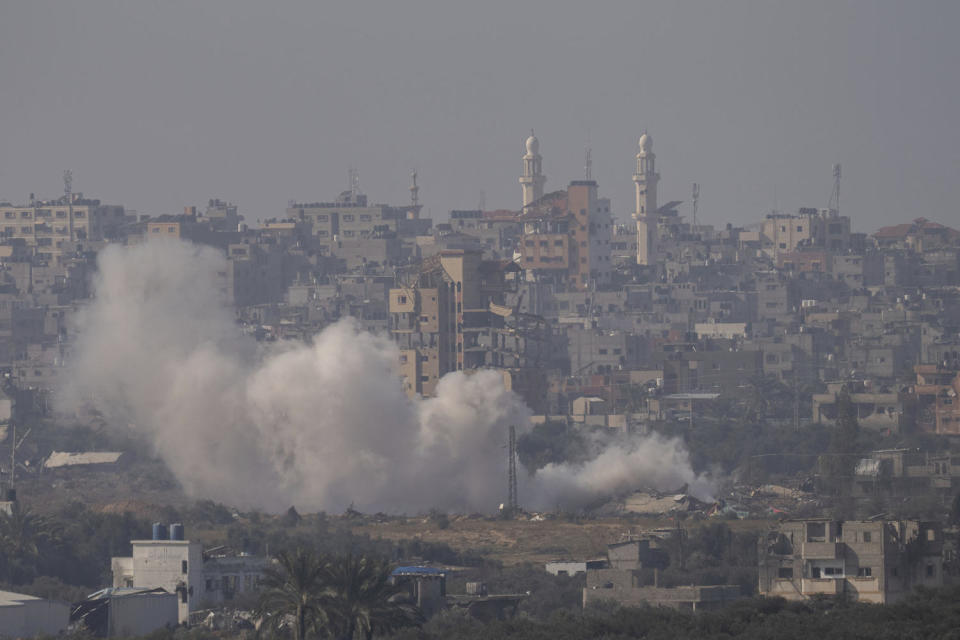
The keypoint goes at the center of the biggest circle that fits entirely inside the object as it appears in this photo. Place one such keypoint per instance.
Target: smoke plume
(320, 425)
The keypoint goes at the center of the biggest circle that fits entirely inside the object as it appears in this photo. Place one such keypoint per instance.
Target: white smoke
(320, 425)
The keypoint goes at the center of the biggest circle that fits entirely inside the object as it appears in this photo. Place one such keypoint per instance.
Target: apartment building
(872, 561)
(52, 226)
(441, 310)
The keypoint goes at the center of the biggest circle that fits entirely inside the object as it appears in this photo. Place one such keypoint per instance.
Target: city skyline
(237, 101)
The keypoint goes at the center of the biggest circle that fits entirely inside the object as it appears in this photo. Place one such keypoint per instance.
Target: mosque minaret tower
(645, 178)
(532, 179)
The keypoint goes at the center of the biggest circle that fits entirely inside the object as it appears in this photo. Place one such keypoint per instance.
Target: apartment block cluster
(593, 315)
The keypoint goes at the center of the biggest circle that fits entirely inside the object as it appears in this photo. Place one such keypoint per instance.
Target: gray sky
(155, 105)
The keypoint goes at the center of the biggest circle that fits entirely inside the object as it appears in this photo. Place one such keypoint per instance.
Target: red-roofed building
(920, 235)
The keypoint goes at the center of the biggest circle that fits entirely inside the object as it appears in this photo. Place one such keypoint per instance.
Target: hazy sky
(155, 105)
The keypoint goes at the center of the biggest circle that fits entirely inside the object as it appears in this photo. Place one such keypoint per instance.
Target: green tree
(293, 588)
(357, 597)
(23, 535)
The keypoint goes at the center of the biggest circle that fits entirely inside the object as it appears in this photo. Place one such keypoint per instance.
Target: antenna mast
(588, 165)
(696, 201)
(835, 195)
(68, 195)
(512, 502)
(414, 190)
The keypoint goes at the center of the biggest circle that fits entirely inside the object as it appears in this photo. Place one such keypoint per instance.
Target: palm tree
(22, 535)
(358, 593)
(294, 587)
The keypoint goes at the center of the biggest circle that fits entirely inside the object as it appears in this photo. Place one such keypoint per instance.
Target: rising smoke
(320, 425)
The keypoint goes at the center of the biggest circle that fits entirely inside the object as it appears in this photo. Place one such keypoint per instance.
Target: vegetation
(342, 597)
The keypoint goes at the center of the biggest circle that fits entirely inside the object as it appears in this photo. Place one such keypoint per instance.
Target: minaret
(532, 179)
(645, 179)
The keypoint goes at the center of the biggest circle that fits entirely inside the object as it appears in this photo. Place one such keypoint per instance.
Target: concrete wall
(135, 615)
(23, 616)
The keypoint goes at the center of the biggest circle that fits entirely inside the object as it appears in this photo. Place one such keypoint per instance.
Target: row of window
(11, 215)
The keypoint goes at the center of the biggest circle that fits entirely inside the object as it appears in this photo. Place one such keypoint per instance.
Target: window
(24, 214)
(323, 217)
(800, 228)
(864, 572)
(348, 217)
(10, 214)
(867, 537)
(183, 566)
(602, 352)
(816, 531)
(365, 217)
(402, 299)
(785, 573)
(833, 571)
(930, 570)
(424, 378)
(171, 229)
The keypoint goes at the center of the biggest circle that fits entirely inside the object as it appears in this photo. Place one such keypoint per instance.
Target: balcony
(826, 586)
(822, 550)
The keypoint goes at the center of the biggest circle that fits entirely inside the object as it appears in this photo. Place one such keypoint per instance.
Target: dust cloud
(321, 425)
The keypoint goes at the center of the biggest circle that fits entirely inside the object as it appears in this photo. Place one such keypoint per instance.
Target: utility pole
(796, 398)
(512, 501)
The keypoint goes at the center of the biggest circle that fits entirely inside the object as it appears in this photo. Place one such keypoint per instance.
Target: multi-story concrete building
(51, 226)
(440, 312)
(809, 228)
(872, 561)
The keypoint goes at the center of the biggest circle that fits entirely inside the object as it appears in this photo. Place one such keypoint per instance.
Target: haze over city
(160, 104)
(441, 321)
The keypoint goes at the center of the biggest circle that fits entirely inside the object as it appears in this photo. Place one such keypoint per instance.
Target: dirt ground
(518, 541)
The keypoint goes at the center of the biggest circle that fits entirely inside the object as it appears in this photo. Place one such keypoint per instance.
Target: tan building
(49, 226)
(439, 315)
(937, 393)
(629, 562)
(350, 217)
(872, 561)
(809, 228)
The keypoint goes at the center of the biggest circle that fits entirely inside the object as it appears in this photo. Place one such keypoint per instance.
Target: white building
(180, 567)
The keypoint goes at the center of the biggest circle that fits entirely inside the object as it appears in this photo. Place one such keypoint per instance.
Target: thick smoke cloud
(319, 425)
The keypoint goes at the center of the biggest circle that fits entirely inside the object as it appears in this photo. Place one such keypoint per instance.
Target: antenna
(414, 190)
(353, 176)
(512, 502)
(835, 195)
(68, 184)
(588, 165)
(696, 201)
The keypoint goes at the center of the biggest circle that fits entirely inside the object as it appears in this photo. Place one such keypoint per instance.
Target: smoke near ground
(320, 425)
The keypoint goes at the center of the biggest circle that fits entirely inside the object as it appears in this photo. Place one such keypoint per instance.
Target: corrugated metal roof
(68, 459)
(417, 571)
